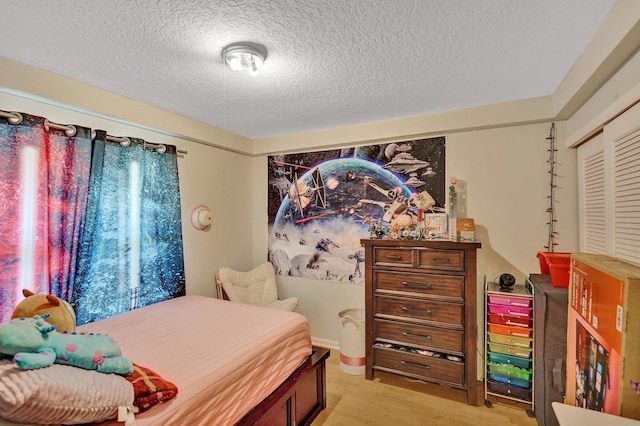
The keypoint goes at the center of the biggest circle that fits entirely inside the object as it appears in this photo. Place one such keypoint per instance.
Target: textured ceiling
(331, 63)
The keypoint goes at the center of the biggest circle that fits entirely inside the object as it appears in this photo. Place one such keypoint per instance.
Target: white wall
(620, 92)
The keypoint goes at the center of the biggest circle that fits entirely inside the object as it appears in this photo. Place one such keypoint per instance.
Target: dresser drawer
(393, 256)
(446, 260)
(445, 286)
(448, 314)
(420, 336)
(419, 366)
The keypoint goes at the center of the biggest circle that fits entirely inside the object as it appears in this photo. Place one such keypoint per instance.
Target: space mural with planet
(321, 204)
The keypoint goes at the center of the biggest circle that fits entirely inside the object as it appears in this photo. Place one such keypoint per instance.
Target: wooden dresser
(420, 306)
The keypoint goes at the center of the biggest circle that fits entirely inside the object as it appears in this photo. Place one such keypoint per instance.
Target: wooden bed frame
(298, 400)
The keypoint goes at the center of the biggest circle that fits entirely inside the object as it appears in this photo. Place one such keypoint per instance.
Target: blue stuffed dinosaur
(34, 343)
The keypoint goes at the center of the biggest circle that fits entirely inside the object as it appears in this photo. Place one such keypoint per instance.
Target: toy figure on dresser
(377, 230)
(423, 202)
(431, 222)
(400, 228)
(403, 228)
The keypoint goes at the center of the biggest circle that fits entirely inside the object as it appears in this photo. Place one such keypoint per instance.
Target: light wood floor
(393, 400)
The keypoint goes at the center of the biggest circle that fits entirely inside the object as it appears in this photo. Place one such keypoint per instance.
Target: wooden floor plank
(392, 400)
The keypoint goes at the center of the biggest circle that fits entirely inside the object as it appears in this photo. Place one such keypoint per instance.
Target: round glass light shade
(245, 56)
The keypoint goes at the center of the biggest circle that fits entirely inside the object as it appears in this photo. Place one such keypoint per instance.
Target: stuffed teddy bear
(34, 343)
(60, 312)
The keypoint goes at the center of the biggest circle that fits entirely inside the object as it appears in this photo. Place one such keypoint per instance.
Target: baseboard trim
(325, 343)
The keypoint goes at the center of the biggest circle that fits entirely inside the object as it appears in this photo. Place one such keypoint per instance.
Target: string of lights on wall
(553, 234)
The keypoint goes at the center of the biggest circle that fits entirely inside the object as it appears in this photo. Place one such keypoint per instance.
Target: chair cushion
(289, 304)
(255, 287)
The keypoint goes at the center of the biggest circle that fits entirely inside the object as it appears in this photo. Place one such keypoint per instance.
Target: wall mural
(321, 204)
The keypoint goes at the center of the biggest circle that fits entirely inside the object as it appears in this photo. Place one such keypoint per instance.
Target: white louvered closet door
(609, 189)
(591, 187)
(622, 136)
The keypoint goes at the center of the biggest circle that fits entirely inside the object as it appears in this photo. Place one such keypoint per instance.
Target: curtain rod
(12, 117)
(70, 130)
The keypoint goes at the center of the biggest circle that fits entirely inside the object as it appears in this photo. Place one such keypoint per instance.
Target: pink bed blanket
(224, 357)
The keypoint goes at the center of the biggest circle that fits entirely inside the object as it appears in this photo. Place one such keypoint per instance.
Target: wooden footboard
(298, 400)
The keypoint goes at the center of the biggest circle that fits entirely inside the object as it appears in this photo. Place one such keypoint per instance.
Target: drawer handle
(426, 311)
(404, 333)
(442, 259)
(393, 257)
(516, 303)
(418, 285)
(415, 364)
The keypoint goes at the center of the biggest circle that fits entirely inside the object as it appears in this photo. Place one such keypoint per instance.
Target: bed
(233, 364)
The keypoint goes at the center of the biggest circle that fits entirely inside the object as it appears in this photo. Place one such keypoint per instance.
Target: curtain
(44, 178)
(131, 253)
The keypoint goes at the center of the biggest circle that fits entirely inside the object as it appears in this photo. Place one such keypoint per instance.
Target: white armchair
(254, 287)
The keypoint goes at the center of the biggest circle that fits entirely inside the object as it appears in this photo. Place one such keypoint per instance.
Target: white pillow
(61, 394)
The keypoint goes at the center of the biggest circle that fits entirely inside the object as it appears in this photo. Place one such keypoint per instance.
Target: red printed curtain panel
(44, 178)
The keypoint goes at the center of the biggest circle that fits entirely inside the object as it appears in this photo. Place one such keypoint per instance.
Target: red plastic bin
(556, 264)
(559, 275)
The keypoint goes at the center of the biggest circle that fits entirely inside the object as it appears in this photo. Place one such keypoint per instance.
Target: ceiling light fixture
(245, 56)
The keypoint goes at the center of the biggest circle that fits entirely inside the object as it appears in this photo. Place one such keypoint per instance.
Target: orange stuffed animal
(61, 313)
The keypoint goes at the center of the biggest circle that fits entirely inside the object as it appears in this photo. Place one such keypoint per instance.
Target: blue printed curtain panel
(131, 253)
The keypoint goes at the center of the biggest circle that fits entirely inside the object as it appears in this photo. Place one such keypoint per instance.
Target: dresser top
(437, 244)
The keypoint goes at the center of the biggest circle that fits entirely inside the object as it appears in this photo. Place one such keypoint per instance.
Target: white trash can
(352, 336)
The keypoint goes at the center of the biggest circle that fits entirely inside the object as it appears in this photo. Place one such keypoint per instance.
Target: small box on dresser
(420, 309)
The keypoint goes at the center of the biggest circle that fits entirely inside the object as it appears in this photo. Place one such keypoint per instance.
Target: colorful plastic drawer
(521, 342)
(509, 310)
(510, 331)
(510, 350)
(509, 370)
(508, 359)
(510, 380)
(509, 320)
(506, 389)
(501, 299)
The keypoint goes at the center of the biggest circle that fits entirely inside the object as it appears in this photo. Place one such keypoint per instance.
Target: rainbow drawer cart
(509, 343)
